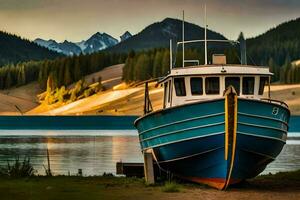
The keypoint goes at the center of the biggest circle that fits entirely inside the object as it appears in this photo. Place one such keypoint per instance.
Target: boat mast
(205, 40)
(183, 38)
(171, 56)
(205, 34)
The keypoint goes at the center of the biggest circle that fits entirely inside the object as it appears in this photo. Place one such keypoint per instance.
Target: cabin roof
(207, 70)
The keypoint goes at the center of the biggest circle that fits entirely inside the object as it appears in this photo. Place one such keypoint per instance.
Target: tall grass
(18, 168)
(171, 187)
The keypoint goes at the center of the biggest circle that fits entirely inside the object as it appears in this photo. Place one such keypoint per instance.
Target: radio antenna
(183, 38)
(205, 34)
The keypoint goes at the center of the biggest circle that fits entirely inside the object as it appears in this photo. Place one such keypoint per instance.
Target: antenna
(183, 38)
(171, 56)
(183, 42)
(205, 34)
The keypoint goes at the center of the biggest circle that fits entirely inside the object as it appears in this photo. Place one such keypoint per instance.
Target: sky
(76, 20)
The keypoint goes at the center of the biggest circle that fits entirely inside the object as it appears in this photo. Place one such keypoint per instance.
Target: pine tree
(165, 63)
(8, 81)
(77, 70)
(157, 65)
(67, 75)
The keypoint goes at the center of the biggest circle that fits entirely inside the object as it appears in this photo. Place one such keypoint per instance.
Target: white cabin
(205, 82)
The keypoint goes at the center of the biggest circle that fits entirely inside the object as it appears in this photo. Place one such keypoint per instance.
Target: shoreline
(84, 122)
(283, 185)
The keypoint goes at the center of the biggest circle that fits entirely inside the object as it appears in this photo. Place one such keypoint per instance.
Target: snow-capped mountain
(69, 48)
(96, 42)
(125, 36)
(50, 44)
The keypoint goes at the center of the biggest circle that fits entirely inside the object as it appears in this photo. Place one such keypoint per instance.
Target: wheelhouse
(200, 83)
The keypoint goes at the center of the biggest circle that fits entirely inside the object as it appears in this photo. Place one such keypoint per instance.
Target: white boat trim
(261, 126)
(183, 140)
(263, 117)
(182, 121)
(193, 155)
(262, 136)
(182, 130)
(261, 154)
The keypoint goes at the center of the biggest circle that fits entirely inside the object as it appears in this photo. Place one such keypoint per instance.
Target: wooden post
(147, 102)
(79, 172)
(148, 167)
(49, 173)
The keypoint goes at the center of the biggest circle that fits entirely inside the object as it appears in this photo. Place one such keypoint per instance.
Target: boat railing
(147, 101)
(275, 101)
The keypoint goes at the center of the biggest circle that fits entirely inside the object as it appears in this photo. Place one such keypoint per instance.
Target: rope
(169, 174)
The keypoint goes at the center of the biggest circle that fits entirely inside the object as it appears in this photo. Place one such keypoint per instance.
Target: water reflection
(97, 152)
(94, 153)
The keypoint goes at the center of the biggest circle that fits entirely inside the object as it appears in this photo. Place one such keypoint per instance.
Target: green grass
(109, 187)
(171, 187)
(75, 188)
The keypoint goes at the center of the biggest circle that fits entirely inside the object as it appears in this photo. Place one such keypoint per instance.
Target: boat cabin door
(167, 93)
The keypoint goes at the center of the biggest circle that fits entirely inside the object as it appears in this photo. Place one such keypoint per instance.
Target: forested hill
(158, 35)
(14, 49)
(277, 48)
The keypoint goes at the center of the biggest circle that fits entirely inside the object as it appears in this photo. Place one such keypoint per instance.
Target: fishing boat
(215, 126)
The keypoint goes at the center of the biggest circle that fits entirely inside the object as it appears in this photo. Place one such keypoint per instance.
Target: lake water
(97, 151)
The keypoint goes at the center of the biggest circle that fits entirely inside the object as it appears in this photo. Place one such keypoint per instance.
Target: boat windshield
(248, 85)
(262, 83)
(196, 86)
(179, 86)
(212, 85)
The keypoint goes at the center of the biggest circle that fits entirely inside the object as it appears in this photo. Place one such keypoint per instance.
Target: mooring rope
(169, 174)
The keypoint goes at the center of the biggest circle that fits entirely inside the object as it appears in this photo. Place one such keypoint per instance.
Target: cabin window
(179, 86)
(262, 83)
(248, 85)
(196, 86)
(233, 81)
(212, 85)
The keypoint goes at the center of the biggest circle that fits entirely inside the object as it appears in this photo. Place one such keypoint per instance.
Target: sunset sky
(76, 20)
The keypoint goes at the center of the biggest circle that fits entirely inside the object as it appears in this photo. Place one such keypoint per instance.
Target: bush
(107, 174)
(171, 187)
(18, 169)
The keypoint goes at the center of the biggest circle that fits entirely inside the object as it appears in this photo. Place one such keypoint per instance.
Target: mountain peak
(169, 19)
(158, 35)
(97, 34)
(97, 42)
(66, 42)
(125, 36)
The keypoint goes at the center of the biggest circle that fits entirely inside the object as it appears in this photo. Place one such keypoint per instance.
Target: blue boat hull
(190, 140)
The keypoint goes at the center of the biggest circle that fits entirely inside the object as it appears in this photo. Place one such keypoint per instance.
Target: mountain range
(280, 43)
(158, 35)
(14, 49)
(97, 42)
